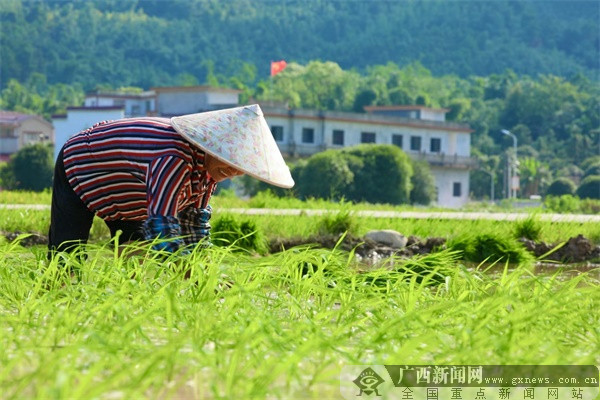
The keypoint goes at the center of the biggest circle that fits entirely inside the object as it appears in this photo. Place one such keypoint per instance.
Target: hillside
(152, 42)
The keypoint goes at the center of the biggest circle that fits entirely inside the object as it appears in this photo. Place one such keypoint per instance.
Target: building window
(435, 145)
(367, 137)
(397, 140)
(415, 143)
(338, 137)
(277, 132)
(308, 135)
(456, 189)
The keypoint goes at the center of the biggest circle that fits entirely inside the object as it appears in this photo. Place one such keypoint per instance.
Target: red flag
(277, 67)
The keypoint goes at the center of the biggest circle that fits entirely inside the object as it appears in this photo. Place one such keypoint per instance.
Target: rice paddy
(224, 323)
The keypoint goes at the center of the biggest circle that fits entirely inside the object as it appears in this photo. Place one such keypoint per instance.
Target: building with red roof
(18, 130)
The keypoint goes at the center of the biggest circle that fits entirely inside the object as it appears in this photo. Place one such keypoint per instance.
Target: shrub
(32, 167)
(423, 184)
(589, 206)
(529, 228)
(384, 176)
(589, 187)
(562, 204)
(369, 172)
(228, 230)
(561, 186)
(325, 175)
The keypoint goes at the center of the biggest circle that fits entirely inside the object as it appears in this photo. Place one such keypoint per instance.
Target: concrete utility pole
(513, 169)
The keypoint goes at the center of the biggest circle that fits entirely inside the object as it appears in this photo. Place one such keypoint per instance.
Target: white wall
(78, 120)
(444, 182)
(433, 115)
(463, 144)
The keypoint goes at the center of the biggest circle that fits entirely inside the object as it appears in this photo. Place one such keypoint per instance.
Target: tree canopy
(149, 43)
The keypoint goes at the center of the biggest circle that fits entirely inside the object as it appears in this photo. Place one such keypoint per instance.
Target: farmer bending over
(153, 177)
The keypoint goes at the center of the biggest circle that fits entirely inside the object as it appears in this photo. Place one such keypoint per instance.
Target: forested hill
(147, 43)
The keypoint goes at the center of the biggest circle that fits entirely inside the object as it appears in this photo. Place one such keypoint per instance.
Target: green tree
(561, 186)
(589, 187)
(32, 167)
(533, 175)
(318, 85)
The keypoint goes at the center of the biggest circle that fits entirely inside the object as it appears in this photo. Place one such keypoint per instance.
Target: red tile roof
(13, 117)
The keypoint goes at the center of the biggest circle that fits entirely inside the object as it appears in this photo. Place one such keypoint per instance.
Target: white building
(421, 132)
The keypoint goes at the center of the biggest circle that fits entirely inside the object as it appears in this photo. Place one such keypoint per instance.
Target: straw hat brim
(239, 137)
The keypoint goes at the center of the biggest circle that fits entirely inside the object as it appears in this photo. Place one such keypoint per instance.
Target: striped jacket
(136, 169)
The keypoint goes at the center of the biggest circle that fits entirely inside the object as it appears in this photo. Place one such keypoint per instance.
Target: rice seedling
(243, 234)
(335, 223)
(490, 247)
(130, 325)
(528, 228)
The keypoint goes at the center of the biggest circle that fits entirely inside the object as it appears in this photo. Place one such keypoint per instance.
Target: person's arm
(167, 177)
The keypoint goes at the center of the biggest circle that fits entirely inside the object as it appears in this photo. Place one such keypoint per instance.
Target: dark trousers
(71, 220)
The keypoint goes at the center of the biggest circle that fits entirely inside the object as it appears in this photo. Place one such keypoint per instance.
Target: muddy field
(577, 249)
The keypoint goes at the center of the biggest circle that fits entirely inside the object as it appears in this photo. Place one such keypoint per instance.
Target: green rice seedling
(490, 248)
(131, 325)
(343, 221)
(433, 268)
(244, 235)
(528, 228)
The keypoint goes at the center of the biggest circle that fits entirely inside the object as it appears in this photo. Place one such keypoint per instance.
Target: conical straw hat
(239, 137)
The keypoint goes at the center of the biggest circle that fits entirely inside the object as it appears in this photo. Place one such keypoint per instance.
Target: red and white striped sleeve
(167, 177)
